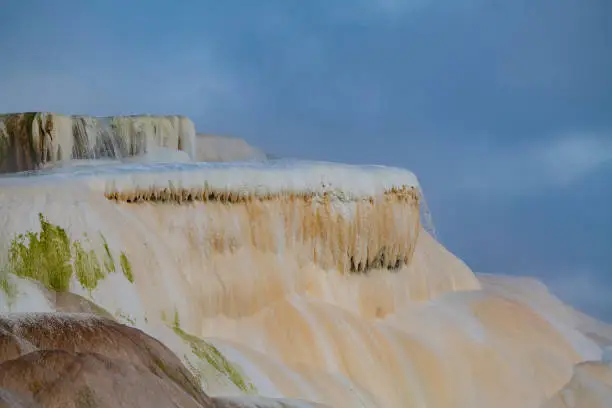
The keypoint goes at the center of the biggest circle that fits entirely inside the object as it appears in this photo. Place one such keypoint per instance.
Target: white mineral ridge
(282, 176)
(245, 278)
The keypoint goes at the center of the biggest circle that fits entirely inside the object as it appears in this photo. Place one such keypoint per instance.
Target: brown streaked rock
(62, 379)
(86, 334)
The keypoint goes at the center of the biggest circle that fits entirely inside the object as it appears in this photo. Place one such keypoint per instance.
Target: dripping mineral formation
(31, 140)
(154, 282)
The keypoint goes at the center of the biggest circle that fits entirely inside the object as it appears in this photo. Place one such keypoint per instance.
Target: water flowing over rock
(589, 387)
(83, 360)
(31, 140)
(267, 284)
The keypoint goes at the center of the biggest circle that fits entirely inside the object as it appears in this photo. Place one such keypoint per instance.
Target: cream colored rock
(76, 360)
(586, 334)
(159, 155)
(589, 387)
(290, 273)
(212, 148)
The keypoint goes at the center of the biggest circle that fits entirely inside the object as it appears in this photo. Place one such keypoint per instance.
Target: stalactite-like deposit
(250, 274)
(29, 141)
(352, 236)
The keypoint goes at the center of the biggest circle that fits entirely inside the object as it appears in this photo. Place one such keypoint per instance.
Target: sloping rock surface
(589, 387)
(83, 360)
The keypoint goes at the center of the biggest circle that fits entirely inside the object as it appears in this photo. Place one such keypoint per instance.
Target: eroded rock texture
(82, 360)
(31, 140)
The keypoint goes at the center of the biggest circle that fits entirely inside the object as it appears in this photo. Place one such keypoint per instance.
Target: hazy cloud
(191, 83)
(583, 288)
(538, 166)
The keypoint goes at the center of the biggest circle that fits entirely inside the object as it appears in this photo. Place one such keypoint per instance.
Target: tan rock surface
(57, 378)
(58, 358)
(77, 360)
(69, 302)
(213, 148)
(263, 307)
(12, 399)
(590, 387)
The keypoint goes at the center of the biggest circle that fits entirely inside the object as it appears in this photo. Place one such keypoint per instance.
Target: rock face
(31, 140)
(58, 378)
(590, 387)
(77, 360)
(11, 399)
(307, 281)
(212, 148)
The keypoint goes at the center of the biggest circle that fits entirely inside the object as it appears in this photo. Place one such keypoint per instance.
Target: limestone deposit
(267, 284)
(589, 387)
(83, 360)
(29, 141)
(214, 148)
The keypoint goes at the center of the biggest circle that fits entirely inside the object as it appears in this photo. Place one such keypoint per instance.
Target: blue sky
(502, 108)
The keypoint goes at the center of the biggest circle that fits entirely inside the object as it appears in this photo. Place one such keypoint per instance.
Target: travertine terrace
(29, 141)
(294, 280)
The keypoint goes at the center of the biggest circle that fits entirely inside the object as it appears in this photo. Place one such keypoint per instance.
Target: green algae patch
(109, 261)
(43, 256)
(51, 258)
(87, 267)
(209, 353)
(126, 268)
(9, 289)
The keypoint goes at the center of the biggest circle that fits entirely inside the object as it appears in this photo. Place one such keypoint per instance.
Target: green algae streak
(51, 258)
(207, 352)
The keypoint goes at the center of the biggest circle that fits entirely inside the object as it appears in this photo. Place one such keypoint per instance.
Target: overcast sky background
(502, 108)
